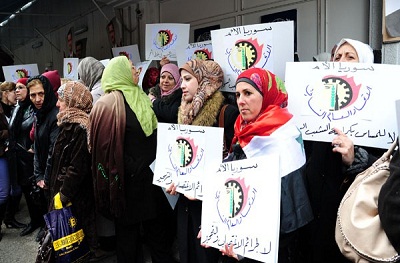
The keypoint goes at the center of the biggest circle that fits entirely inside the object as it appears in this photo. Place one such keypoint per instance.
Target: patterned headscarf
(273, 113)
(78, 101)
(210, 77)
(174, 71)
(90, 71)
(54, 79)
(118, 76)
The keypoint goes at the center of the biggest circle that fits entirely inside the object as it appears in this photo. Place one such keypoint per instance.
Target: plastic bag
(69, 241)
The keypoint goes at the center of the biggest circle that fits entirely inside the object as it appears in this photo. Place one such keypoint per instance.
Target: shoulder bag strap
(390, 151)
(221, 124)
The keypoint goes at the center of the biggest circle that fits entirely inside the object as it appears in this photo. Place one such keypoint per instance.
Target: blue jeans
(4, 181)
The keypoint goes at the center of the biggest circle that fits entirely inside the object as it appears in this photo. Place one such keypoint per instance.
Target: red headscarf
(22, 81)
(273, 113)
(150, 78)
(54, 78)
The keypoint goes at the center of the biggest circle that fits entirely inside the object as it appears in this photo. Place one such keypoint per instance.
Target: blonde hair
(33, 83)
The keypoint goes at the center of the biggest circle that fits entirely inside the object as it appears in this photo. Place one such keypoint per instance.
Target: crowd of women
(92, 142)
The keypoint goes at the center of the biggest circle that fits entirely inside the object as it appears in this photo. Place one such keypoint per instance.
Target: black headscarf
(50, 99)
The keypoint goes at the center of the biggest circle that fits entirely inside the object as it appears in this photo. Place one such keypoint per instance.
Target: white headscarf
(364, 51)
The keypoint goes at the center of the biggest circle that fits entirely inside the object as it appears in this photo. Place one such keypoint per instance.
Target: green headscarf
(118, 76)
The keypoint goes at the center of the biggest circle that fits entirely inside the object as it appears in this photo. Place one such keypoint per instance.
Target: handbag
(69, 241)
(45, 251)
(36, 193)
(359, 233)
(389, 202)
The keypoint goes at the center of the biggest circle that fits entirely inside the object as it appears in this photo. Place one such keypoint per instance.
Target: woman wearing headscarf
(264, 127)
(166, 97)
(90, 71)
(71, 170)
(201, 105)
(44, 101)
(350, 50)
(330, 170)
(121, 156)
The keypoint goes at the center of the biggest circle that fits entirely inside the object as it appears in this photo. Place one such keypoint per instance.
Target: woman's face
(61, 105)
(135, 74)
(167, 81)
(21, 91)
(36, 94)
(10, 98)
(249, 101)
(189, 85)
(346, 53)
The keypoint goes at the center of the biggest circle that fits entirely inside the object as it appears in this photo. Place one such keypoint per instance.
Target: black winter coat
(46, 131)
(327, 180)
(166, 108)
(21, 160)
(144, 200)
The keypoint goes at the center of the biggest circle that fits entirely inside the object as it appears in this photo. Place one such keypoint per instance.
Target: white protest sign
(185, 153)
(142, 67)
(398, 116)
(172, 199)
(105, 61)
(131, 52)
(236, 199)
(356, 98)
(268, 46)
(166, 40)
(199, 50)
(70, 68)
(14, 73)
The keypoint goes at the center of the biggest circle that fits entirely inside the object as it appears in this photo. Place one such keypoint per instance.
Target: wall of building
(320, 24)
(51, 53)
